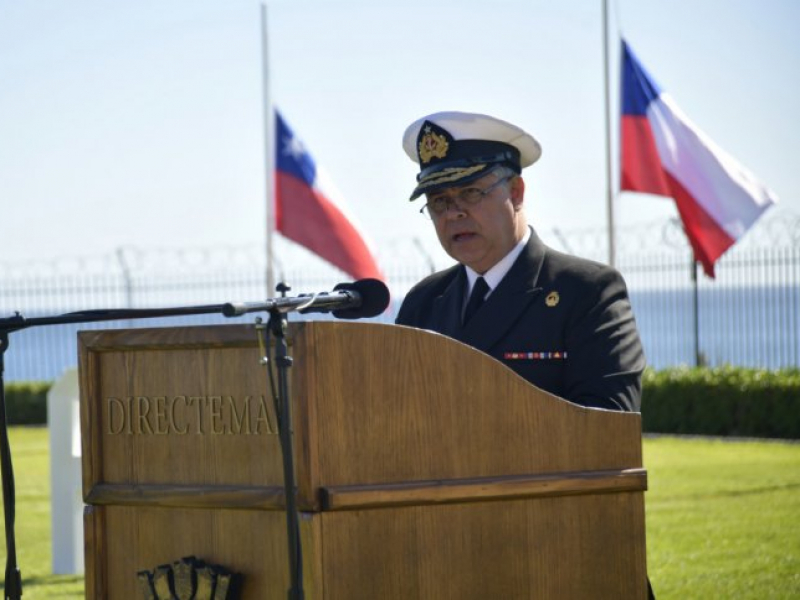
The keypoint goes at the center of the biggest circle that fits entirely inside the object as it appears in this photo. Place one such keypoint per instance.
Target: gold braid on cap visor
(448, 175)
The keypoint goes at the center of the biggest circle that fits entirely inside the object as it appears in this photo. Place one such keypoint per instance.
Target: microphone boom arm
(306, 303)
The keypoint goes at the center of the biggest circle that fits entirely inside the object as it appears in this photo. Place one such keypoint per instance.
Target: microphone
(358, 300)
(372, 296)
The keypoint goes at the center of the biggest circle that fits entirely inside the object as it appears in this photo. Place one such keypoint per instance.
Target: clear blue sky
(140, 123)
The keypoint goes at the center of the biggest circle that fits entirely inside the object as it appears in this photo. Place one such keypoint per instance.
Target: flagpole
(698, 361)
(269, 153)
(609, 175)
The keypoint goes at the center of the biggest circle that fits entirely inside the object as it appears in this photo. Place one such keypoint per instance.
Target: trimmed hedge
(26, 403)
(727, 401)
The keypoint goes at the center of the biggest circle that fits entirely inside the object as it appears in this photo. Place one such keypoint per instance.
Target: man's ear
(517, 192)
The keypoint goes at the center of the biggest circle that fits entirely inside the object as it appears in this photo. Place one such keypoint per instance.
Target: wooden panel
(552, 548)
(395, 404)
(178, 407)
(251, 543)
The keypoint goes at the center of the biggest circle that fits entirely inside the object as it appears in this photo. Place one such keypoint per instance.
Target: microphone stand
(278, 322)
(13, 578)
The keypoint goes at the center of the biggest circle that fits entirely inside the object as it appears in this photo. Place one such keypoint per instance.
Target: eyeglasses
(439, 205)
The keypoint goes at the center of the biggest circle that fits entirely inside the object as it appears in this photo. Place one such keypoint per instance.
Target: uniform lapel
(508, 301)
(446, 309)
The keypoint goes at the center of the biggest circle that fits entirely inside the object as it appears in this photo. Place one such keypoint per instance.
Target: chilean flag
(309, 211)
(664, 153)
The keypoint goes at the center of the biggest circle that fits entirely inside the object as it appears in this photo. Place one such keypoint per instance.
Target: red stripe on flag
(641, 164)
(709, 241)
(307, 217)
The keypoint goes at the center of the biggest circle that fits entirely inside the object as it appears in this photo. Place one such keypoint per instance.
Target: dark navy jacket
(562, 322)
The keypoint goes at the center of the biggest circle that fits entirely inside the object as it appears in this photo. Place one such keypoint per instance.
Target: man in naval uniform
(562, 322)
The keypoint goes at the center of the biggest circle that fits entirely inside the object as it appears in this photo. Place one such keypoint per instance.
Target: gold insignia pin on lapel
(552, 299)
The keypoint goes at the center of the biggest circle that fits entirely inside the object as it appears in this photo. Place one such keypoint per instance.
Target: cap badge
(432, 145)
(552, 299)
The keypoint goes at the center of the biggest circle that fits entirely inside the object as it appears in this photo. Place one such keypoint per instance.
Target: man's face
(481, 234)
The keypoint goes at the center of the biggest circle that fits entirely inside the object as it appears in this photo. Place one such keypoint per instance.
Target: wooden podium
(425, 469)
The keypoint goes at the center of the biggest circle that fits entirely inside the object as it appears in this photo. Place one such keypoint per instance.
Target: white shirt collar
(495, 275)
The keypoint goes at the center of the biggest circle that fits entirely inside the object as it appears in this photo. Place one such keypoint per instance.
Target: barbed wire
(778, 228)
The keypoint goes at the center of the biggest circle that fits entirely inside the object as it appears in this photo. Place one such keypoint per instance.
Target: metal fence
(747, 316)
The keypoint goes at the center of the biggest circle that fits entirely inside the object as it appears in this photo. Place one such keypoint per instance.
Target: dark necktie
(479, 291)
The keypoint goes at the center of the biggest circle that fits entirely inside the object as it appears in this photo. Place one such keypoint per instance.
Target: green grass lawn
(723, 518)
(29, 453)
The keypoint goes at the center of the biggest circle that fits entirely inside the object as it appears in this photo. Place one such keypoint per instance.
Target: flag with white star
(310, 212)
